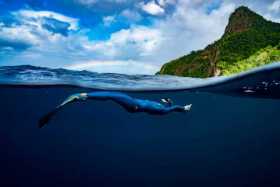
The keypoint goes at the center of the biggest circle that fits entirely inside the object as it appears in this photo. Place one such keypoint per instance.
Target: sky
(117, 36)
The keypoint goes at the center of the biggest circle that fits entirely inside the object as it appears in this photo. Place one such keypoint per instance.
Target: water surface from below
(223, 141)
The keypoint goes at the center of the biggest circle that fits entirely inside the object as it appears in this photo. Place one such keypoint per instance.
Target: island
(249, 41)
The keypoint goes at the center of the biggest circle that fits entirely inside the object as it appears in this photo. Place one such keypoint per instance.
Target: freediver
(131, 104)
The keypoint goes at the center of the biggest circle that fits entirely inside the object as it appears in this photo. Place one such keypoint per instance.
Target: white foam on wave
(30, 75)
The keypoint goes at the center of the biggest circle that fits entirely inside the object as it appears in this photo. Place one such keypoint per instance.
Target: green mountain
(249, 41)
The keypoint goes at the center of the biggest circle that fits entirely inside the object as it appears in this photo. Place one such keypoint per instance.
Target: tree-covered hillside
(246, 35)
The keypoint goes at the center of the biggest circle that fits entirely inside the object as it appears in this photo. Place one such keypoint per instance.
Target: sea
(230, 137)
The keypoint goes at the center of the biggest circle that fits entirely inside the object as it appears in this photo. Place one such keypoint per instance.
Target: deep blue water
(229, 138)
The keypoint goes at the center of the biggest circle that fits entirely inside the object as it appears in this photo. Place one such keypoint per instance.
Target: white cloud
(152, 8)
(129, 43)
(18, 34)
(189, 26)
(43, 47)
(131, 15)
(93, 2)
(34, 17)
(275, 6)
(116, 66)
(108, 20)
(29, 30)
(55, 50)
(163, 3)
(272, 18)
(87, 2)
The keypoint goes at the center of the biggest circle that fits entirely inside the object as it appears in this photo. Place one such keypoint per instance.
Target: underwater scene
(139, 93)
(230, 137)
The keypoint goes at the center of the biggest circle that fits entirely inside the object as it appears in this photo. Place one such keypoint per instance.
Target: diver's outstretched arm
(72, 98)
(178, 108)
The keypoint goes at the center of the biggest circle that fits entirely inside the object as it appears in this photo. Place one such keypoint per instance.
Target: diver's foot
(83, 96)
(188, 107)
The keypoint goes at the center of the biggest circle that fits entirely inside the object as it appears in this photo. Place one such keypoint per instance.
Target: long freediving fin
(47, 117)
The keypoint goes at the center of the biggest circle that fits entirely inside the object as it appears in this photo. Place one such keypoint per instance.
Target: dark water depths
(225, 140)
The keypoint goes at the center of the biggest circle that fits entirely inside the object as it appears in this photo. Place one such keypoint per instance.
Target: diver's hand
(188, 107)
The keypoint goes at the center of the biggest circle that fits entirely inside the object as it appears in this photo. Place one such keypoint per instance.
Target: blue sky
(120, 36)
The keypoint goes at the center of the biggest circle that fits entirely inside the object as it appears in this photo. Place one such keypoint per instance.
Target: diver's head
(167, 101)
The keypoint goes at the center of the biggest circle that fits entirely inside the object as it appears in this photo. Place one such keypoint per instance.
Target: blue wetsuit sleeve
(176, 108)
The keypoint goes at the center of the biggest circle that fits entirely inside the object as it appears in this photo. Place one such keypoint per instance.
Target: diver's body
(129, 103)
(134, 104)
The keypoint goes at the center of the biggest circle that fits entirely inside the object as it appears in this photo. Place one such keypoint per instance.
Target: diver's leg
(129, 103)
(102, 95)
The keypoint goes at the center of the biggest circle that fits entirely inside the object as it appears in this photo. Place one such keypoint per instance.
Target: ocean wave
(263, 80)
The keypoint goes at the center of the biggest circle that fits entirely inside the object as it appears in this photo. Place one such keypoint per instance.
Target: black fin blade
(46, 118)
